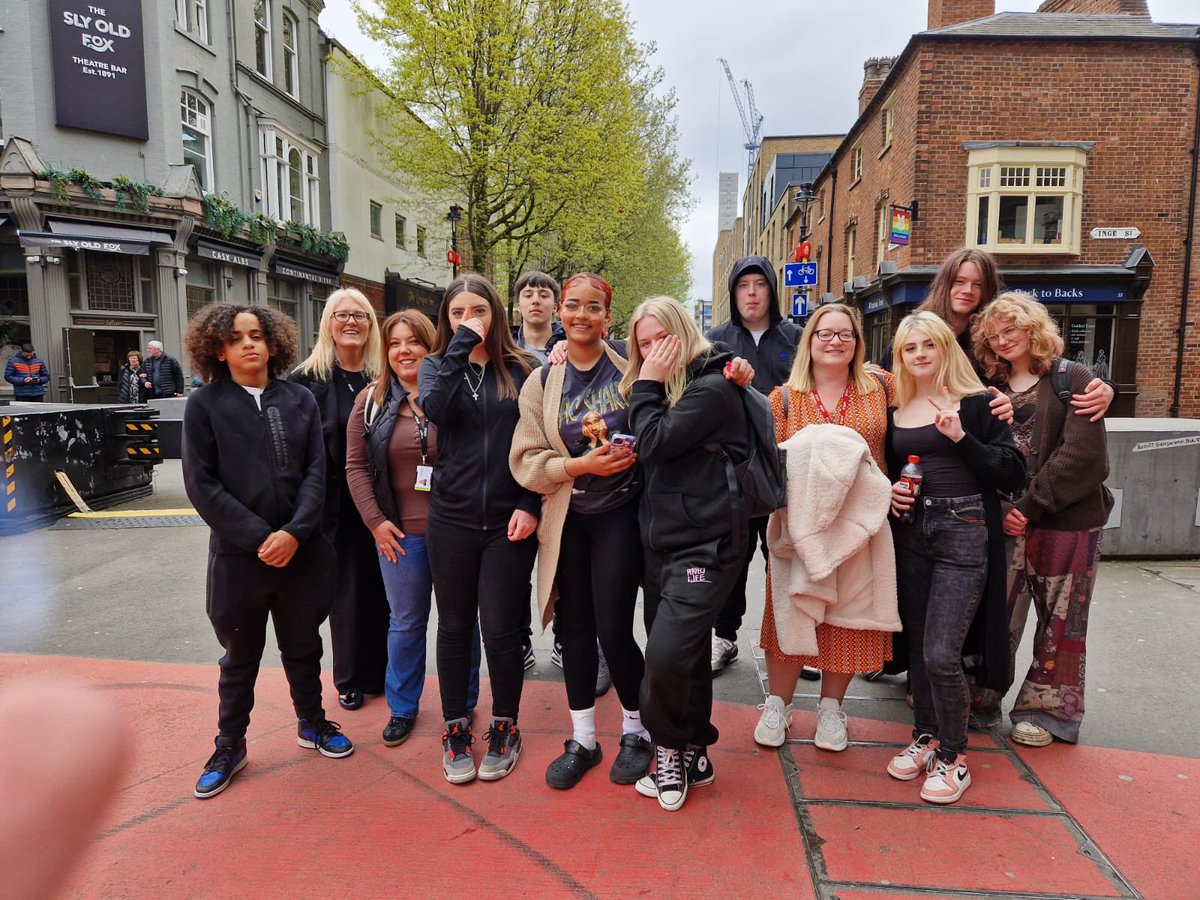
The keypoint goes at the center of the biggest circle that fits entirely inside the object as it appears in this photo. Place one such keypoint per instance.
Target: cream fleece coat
(832, 558)
(538, 460)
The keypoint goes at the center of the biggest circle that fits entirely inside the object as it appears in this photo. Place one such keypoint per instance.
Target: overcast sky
(764, 41)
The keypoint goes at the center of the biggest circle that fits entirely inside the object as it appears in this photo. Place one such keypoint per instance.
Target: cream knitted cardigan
(538, 459)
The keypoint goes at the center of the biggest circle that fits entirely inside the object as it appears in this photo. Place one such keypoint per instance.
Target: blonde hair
(800, 378)
(1028, 314)
(323, 359)
(422, 329)
(677, 321)
(955, 372)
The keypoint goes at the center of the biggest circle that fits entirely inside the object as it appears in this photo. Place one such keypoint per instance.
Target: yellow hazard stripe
(11, 489)
(10, 469)
(133, 514)
(12, 504)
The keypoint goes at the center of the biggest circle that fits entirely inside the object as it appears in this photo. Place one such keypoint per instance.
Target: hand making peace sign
(946, 421)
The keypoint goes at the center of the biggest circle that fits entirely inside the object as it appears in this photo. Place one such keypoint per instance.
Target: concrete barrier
(1154, 474)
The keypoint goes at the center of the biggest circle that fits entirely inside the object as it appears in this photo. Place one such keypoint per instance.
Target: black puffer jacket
(775, 351)
(473, 486)
(686, 500)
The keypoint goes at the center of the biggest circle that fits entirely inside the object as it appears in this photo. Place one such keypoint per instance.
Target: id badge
(424, 477)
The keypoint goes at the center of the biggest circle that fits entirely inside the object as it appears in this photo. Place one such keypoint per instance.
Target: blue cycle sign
(800, 274)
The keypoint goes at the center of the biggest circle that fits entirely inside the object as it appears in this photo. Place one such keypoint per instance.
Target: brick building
(1029, 135)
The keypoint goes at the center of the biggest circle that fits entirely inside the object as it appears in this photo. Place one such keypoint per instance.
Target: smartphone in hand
(628, 441)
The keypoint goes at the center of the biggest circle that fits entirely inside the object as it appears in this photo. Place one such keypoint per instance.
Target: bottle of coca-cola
(911, 477)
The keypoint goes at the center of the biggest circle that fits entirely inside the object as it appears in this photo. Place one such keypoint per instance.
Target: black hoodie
(772, 356)
(686, 501)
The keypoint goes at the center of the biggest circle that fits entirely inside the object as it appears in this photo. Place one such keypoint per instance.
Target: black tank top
(946, 473)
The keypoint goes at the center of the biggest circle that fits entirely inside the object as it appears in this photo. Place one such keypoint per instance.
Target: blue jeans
(941, 567)
(409, 587)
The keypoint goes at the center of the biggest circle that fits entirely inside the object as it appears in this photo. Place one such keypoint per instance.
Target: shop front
(219, 271)
(299, 288)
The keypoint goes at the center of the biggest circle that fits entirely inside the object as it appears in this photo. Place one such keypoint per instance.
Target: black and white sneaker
(697, 764)
(530, 658)
(670, 779)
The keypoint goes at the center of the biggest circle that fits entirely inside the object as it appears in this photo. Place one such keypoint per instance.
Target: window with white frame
(856, 167)
(290, 176)
(851, 242)
(1026, 198)
(420, 240)
(192, 16)
(291, 67)
(197, 136)
(376, 221)
(401, 237)
(887, 120)
(883, 230)
(262, 37)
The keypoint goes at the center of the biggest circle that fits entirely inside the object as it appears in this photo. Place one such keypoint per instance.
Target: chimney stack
(875, 73)
(943, 13)
(1110, 7)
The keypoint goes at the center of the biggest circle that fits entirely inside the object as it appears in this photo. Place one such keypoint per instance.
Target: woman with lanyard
(570, 446)
(481, 525)
(830, 383)
(347, 355)
(390, 450)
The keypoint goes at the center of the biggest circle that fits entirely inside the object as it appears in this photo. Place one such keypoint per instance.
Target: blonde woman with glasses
(347, 356)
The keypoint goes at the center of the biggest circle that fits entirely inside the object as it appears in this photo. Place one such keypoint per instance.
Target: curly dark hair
(212, 328)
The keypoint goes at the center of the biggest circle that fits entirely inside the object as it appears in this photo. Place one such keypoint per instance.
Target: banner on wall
(99, 66)
(901, 226)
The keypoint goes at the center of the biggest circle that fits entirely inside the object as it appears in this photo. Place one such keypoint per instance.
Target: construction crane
(751, 123)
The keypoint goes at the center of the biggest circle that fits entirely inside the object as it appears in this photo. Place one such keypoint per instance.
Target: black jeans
(599, 571)
(241, 592)
(358, 622)
(684, 591)
(479, 575)
(941, 568)
(729, 620)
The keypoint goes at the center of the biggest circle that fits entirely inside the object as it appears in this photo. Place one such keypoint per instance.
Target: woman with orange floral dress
(830, 383)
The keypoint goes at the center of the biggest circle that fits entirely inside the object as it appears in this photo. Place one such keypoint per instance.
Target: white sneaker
(913, 759)
(774, 722)
(1031, 735)
(723, 653)
(831, 730)
(670, 779)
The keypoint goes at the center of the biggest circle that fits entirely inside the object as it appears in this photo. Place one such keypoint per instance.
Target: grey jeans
(941, 567)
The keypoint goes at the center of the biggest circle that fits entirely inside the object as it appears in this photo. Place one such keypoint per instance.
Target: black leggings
(479, 574)
(599, 571)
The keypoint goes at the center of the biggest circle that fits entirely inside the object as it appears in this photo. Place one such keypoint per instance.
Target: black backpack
(760, 481)
(1060, 379)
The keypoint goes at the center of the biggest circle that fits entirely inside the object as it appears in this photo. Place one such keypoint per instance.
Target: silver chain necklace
(475, 388)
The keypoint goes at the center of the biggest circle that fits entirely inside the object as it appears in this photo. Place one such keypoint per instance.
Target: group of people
(138, 381)
(404, 461)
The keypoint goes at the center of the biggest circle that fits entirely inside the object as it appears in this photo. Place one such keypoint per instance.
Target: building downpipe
(1188, 244)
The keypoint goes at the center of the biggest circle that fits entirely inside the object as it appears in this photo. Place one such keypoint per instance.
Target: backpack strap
(371, 412)
(1060, 379)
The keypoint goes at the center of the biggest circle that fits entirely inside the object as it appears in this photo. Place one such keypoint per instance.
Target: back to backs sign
(99, 66)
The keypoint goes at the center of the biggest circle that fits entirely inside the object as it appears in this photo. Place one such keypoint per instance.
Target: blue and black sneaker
(325, 736)
(228, 759)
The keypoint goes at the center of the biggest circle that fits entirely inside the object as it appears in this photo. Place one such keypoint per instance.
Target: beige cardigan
(538, 459)
(832, 558)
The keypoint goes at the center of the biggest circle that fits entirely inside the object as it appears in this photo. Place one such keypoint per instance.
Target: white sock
(631, 723)
(584, 722)
(782, 705)
(830, 703)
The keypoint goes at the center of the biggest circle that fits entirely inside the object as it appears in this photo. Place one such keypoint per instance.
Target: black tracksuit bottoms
(599, 571)
(241, 592)
(734, 609)
(684, 591)
(479, 575)
(360, 617)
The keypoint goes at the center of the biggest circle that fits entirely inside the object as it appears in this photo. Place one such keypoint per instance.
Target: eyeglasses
(828, 335)
(592, 309)
(1005, 334)
(358, 316)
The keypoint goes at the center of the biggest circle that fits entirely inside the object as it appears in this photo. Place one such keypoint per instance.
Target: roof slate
(1066, 25)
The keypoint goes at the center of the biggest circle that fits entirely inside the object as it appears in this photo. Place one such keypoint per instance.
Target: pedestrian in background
(254, 468)
(481, 526)
(830, 383)
(590, 547)
(693, 532)
(1054, 528)
(133, 386)
(28, 375)
(347, 355)
(163, 372)
(390, 448)
(950, 556)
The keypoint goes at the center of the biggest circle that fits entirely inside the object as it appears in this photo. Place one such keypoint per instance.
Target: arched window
(291, 65)
(197, 136)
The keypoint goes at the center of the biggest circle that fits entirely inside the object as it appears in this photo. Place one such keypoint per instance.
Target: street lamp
(804, 198)
(452, 257)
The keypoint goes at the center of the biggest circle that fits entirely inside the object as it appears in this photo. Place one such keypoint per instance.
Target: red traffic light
(804, 252)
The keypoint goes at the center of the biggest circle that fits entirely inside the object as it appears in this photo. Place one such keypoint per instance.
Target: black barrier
(131, 437)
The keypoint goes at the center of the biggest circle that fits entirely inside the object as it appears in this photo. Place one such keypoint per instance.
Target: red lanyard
(843, 406)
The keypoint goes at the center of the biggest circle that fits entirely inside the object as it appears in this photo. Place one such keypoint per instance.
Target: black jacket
(991, 453)
(379, 438)
(166, 375)
(335, 445)
(250, 472)
(686, 500)
(473, 486)
(131, 385)
(775, 351)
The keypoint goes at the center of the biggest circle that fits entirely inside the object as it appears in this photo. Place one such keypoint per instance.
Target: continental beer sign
(99, 66)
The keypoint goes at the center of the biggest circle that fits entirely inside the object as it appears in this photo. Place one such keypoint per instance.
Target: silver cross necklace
(475, 388)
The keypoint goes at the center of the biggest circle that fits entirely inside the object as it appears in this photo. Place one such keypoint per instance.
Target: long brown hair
(422, 329)
(937, 301)
(501, 348)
